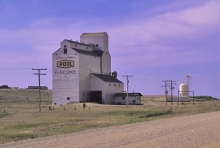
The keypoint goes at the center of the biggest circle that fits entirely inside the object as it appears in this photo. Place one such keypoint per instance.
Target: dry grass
(22, 119)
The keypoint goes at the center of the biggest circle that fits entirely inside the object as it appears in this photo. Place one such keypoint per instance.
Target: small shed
(133, 98)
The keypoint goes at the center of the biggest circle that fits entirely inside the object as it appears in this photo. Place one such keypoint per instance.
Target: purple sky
(153, 40)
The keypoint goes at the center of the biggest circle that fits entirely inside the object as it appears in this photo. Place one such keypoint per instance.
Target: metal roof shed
(133, 98)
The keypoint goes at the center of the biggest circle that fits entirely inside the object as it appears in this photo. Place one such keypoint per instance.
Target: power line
(39, 74)
(169, 83)
(14, 68)
(171, 87)
(165, 86)
(127, 76)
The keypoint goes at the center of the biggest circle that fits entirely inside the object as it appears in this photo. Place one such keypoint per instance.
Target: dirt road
(196, 131)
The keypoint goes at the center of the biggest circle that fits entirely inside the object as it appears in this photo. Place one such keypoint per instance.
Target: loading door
(96, 96)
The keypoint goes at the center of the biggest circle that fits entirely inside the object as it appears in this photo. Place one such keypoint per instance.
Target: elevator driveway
(197, 131)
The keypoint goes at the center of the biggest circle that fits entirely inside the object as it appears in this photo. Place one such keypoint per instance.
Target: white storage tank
(184, 88)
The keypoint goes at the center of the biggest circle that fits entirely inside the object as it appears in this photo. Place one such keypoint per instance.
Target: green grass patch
(22, 119)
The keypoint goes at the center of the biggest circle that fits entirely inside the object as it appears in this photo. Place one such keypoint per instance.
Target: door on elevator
(96, 96)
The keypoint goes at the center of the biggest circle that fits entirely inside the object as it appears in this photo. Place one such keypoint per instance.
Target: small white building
(82, 71)
(133, 98)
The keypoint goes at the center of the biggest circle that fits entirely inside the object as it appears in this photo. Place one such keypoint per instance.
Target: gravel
(195, 131)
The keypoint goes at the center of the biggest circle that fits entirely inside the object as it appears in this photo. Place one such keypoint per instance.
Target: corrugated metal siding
(96, 38)
(81, 47)
(79, 83)
(111, 89)
(87, 64)
(65, 80)
(106, 62)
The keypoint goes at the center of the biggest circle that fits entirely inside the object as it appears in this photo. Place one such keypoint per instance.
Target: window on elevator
(65, 49)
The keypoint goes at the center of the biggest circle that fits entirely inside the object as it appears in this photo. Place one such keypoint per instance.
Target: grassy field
(20, 118)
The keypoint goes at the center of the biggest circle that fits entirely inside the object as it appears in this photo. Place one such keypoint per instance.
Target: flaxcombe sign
(65, 64)
(66, 72)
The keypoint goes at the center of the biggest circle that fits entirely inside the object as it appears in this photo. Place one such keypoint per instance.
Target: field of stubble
(153, 124)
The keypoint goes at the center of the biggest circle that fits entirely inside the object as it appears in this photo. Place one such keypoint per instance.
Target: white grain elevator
(84, 68)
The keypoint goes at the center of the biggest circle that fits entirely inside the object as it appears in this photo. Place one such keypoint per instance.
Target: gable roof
(78, 43)
(98, 51)
(129, 94)
(107, 78)
(85, 52)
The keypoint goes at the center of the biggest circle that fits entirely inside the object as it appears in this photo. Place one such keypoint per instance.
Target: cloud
(206, 15)
(52, 42)
(189, 22)
(131, 44)
(171, 38)
(141, 40)
(196, 75)
(192, 20)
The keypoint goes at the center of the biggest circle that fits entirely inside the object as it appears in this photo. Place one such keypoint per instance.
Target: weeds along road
(195, 131)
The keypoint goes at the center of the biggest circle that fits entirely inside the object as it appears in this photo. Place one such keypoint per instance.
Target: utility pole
(39, 84)
(127, 76)
(171, 87)
(165, 86)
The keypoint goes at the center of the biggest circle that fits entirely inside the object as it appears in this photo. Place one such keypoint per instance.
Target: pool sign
(65, 63)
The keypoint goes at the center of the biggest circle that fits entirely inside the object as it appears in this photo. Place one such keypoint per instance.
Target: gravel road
(195, 131)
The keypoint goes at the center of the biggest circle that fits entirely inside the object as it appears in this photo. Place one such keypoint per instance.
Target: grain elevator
(82, 71)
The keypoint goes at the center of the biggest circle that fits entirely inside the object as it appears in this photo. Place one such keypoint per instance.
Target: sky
(153, 40)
